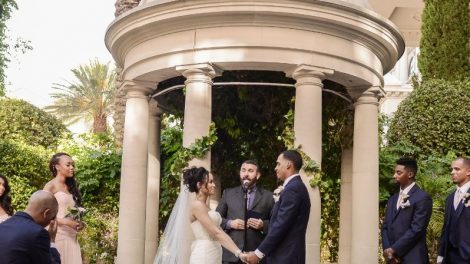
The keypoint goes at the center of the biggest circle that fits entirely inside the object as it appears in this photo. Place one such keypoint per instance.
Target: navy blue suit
(285, 242)
(404, 229)
(455, 238)
(23, 241)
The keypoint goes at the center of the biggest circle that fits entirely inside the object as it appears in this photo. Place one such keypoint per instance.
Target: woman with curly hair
(193, 234)
(64, 187)
(6, 210)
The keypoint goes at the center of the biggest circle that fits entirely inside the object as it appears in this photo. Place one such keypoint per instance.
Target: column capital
(137, 89)
(197, 72)
(370, 96)
(304, 70)
(154, 108)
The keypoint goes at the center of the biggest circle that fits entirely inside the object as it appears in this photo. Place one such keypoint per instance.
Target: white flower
(465, 199)
(277, 193)
(406, 204)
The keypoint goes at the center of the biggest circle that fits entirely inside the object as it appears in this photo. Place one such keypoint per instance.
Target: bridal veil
(175, 244)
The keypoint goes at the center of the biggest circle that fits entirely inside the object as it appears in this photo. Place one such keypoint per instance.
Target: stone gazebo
(308, 40)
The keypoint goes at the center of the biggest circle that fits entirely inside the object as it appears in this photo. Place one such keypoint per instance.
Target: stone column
(153, 183)
(365, 180)
(308, 134)
(133, 193)
(197, 106)
(344, 256)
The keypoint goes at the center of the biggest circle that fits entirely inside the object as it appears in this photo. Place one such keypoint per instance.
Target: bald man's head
(42, 207)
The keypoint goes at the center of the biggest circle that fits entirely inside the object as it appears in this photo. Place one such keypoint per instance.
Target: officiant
(259, 203)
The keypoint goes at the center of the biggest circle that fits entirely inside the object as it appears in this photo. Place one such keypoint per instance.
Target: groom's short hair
(294, 157)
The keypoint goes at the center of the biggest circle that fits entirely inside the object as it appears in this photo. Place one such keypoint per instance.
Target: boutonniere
(466, 199)
(405, 202)
(277, 193)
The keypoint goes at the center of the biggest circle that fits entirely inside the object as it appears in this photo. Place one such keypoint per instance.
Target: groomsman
(285, 242)
(406, 218)
(455, 239)
(231, 208)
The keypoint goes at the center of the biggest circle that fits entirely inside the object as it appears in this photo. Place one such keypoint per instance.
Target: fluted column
(197, 106)
(308, 134)
(344, 256)
(133, 191)
(365, 180)
(153, 183)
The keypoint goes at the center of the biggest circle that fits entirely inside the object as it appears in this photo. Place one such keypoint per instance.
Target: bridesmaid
(64, 187)
(6, 210)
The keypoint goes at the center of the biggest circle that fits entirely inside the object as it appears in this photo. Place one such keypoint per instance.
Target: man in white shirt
(455, 239)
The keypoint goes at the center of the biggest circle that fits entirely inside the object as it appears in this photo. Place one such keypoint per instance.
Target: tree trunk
(100, 124)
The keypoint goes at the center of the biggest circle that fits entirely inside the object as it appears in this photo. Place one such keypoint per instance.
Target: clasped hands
(254, 223)
(390, 257)
(249, 257)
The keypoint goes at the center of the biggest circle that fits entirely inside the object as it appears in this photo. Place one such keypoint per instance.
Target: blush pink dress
(66, 238)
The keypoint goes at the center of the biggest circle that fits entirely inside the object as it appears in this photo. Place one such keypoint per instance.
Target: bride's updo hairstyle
(193, 176)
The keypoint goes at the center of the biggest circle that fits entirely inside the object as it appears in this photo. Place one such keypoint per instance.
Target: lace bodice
(200, 232)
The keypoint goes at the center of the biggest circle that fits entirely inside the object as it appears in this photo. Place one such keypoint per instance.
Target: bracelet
(237, 253)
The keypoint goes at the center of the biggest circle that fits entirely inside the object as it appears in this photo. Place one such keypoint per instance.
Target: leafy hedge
(434, 118)
(445, 41)
(22, 121)
(24, 161)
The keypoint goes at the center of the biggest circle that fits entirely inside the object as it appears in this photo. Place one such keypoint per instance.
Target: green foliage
(89, 97)
(98, 240)
(249, 120)
(445, 40)
(435, 118)
(21, 121)
(26, 162)
(6, 7)
(21, 190)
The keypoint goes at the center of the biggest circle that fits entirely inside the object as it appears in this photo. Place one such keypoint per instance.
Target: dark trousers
(226, 262)
(453, 256)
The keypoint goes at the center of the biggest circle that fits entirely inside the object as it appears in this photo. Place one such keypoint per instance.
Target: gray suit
(231, 207)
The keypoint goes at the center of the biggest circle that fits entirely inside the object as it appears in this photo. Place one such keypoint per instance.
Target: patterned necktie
(399, 198)
(457, 197)
(250, 199)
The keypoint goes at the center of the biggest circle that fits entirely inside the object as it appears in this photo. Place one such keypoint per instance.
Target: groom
(285, 242)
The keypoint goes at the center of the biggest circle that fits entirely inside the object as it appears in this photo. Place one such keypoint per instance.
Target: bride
(193, 234)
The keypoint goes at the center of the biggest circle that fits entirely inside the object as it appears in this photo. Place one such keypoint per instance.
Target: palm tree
(89, 97)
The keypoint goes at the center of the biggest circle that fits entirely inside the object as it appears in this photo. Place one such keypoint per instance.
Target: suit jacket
(456, 229)
(231, 206)
(404, 229)
(23, 241)
(285, 242)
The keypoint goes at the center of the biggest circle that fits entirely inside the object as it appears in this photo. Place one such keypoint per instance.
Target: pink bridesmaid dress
(66, 238)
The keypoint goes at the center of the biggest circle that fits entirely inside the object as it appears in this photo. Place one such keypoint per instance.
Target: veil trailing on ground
(175, 244)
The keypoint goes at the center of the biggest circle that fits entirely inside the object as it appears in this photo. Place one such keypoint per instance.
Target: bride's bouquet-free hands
(76, 214)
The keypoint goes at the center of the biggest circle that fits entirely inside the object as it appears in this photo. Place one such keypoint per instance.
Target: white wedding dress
(204, 249)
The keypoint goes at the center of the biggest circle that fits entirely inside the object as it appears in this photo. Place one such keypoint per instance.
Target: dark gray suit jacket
(231, 206)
